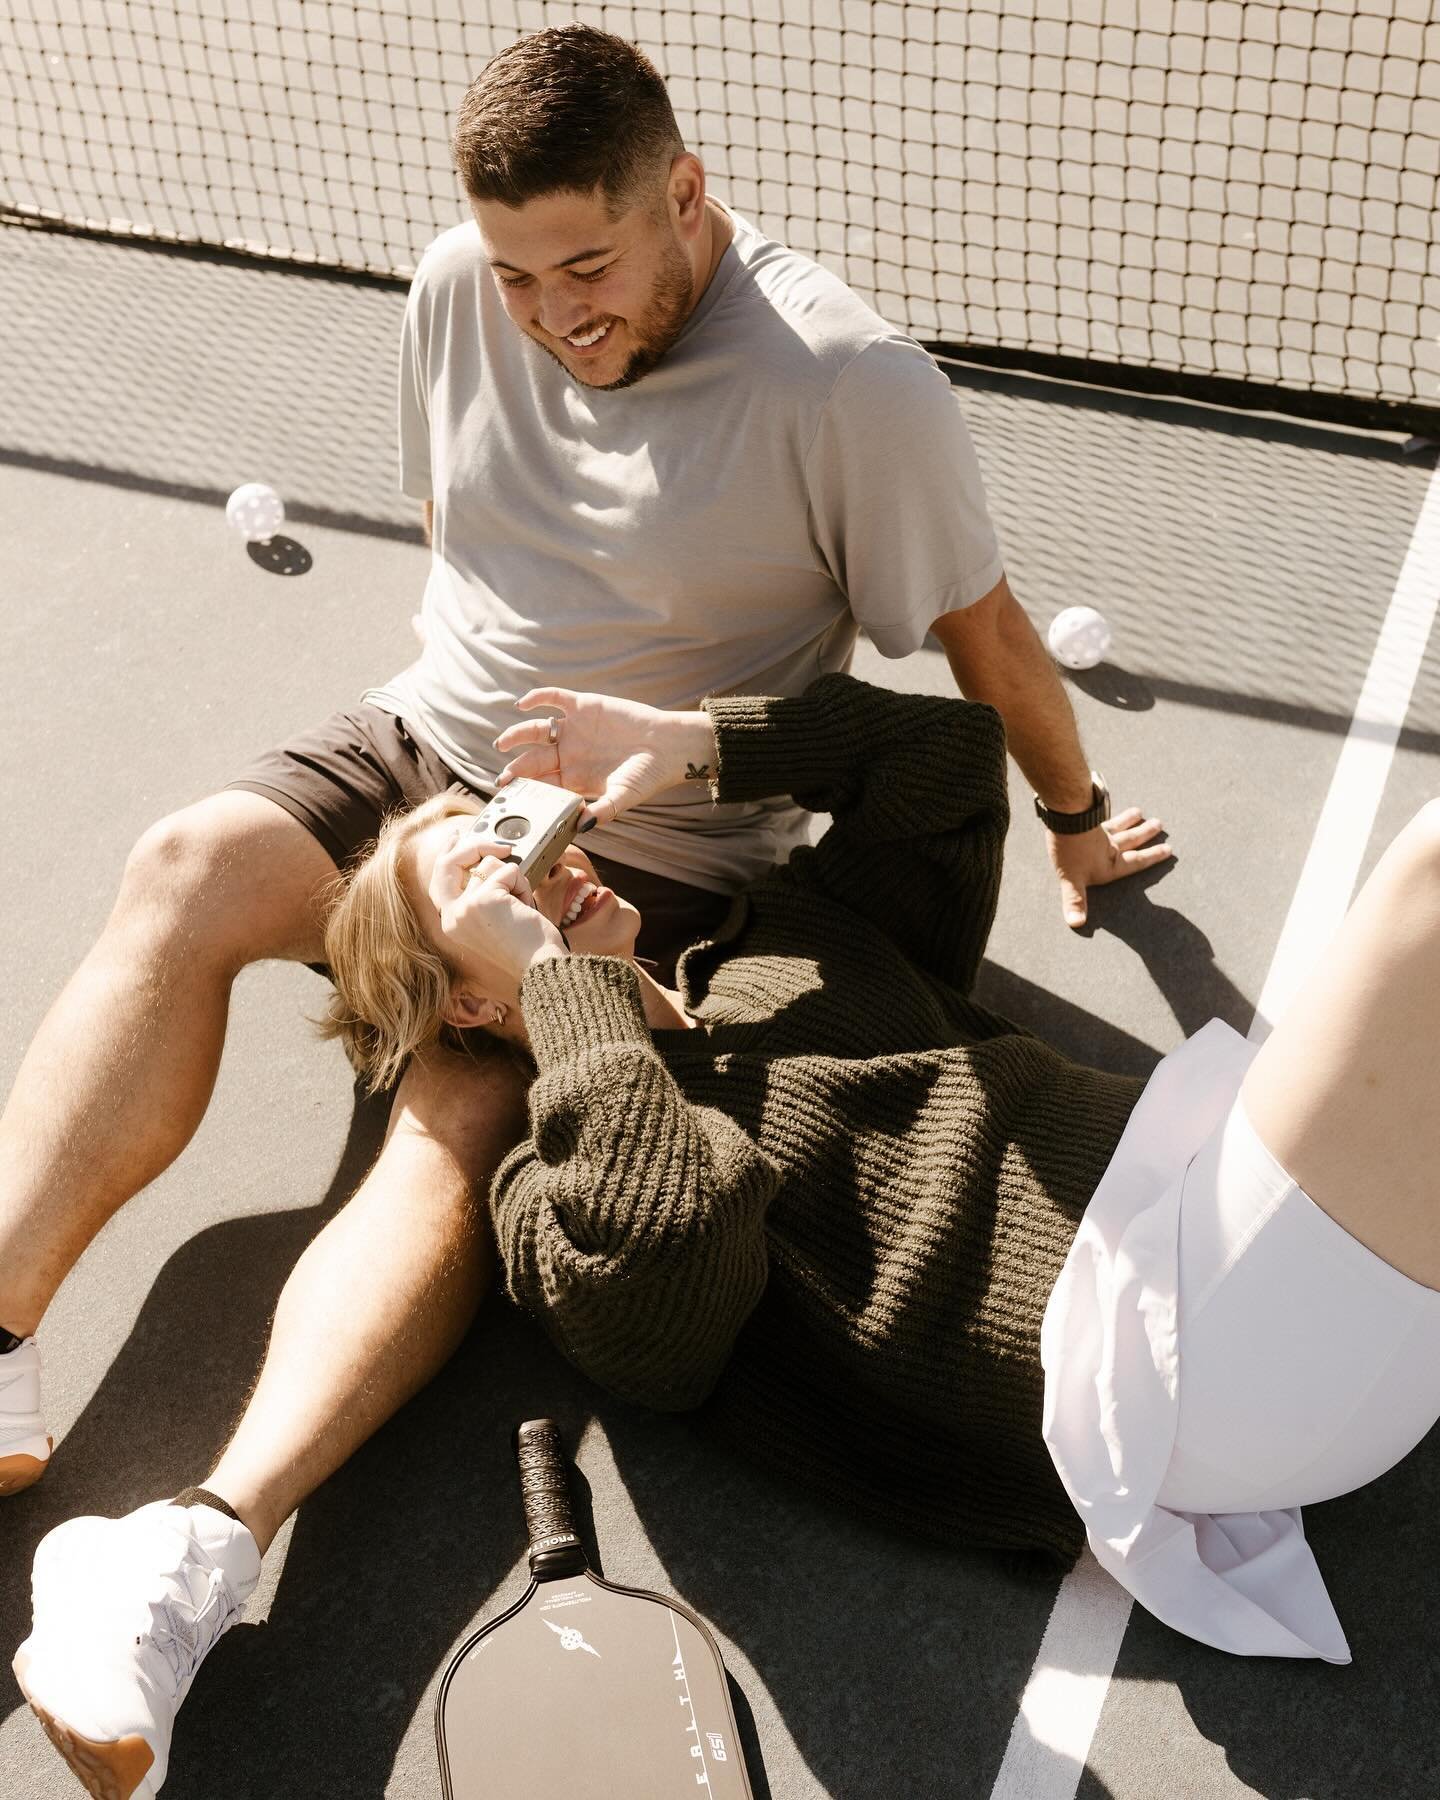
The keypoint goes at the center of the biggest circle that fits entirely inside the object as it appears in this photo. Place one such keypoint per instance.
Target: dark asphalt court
(1246, 566)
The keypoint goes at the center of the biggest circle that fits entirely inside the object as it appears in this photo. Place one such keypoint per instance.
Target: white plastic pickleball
(257, 512)
(1079, 637)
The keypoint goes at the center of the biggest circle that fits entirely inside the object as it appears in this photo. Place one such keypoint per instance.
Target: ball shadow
(281, 556)
(1113, 686)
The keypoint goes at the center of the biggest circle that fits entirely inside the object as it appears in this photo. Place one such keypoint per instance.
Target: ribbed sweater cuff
(767, 746)
(577, 1003)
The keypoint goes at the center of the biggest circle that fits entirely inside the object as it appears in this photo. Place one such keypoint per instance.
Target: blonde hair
(392, 985)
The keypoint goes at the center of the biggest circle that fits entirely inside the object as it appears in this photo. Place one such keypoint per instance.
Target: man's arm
(996, 656)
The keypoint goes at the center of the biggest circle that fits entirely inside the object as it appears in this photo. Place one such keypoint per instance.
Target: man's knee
(232, 878)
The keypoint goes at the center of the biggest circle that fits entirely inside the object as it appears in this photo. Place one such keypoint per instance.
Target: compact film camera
(534, 820)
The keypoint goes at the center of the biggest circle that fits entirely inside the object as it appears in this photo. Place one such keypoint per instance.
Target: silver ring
(554, 731)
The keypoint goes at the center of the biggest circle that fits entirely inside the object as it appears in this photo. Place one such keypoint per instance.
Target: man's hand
(1121, 846)
(996, 655)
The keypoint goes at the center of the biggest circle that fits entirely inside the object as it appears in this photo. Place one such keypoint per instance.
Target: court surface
(1247, 566)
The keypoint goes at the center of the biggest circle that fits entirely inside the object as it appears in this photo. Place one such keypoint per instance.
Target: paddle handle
(555, 1547)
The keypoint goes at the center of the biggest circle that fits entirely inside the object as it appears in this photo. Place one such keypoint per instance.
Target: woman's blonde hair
(392, 985)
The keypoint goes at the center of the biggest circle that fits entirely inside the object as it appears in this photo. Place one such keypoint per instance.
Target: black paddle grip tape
(555, 1547)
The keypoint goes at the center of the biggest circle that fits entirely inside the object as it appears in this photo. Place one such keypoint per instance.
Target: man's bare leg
(382, 1297)
(122, 1068)
(373, 1308)
(376, 1304)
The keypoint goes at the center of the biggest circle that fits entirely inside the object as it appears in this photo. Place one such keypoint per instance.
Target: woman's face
(595, 920)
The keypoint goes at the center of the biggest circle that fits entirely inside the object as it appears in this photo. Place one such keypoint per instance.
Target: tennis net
(1231, 200)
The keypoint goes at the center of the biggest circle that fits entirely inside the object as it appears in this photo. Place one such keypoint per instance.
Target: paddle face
(589, 1692)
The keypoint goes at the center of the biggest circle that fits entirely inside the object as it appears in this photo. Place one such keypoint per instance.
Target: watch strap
(1071, 824)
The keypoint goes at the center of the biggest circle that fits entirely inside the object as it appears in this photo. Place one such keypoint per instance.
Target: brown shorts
(341, 779)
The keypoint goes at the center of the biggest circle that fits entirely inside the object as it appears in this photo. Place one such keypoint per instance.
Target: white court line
(1060, 1709)
(1065, 1694)
(1337, 849)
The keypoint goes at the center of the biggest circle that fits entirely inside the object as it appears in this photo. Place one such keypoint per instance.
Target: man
(659, 456)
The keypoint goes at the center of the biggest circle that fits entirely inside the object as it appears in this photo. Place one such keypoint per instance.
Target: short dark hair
(567, 110)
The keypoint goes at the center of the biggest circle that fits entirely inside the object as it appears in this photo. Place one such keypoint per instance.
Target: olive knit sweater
(831, 1215)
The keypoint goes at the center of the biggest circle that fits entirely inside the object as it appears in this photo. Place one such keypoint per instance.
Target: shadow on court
(1244, 569)
(170, 1397)
(1079, 1034)
(1114, 686)
(1177, 956)
(893, 1668)
(1308, 1729)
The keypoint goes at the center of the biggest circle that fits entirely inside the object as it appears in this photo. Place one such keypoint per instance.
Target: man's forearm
(996, 656)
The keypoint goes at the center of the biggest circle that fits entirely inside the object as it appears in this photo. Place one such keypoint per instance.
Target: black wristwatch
(1065, 824)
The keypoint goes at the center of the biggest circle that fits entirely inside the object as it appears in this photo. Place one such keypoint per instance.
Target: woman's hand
(486, 907)
(615, 752)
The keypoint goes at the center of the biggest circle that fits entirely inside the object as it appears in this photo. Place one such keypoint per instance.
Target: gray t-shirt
(792, 470)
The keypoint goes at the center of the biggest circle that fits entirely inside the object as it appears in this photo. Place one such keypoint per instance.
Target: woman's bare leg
(1345, 1093)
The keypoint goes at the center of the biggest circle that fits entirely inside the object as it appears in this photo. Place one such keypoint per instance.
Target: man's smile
(591, 338)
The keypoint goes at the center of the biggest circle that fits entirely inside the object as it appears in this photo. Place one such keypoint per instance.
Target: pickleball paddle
(584, 1689)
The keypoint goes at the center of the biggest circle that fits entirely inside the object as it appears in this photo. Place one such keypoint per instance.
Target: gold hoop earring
(500, 1012)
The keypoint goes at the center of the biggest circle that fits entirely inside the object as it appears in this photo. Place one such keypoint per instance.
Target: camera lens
(510, 830)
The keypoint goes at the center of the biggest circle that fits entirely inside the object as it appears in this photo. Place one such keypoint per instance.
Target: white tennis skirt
(1308, 1366)
(1218, 1354)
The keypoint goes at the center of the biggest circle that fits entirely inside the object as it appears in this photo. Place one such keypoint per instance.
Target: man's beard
(671, 302)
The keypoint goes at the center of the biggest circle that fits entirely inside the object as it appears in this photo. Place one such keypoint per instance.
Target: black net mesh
(1243, 192)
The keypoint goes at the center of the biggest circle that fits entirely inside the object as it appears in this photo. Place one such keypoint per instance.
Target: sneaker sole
(108, 1771)
(19, 1472)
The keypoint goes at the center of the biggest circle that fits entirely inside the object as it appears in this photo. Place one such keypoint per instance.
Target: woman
(896, 1245)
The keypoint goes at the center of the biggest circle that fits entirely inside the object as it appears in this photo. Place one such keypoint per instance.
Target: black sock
(9, 1341)
(203, 1497)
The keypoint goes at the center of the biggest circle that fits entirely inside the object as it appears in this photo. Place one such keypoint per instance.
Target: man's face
(606, 297)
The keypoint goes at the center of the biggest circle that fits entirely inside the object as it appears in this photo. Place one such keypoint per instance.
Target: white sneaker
(24, 1446)
(125, 1611)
